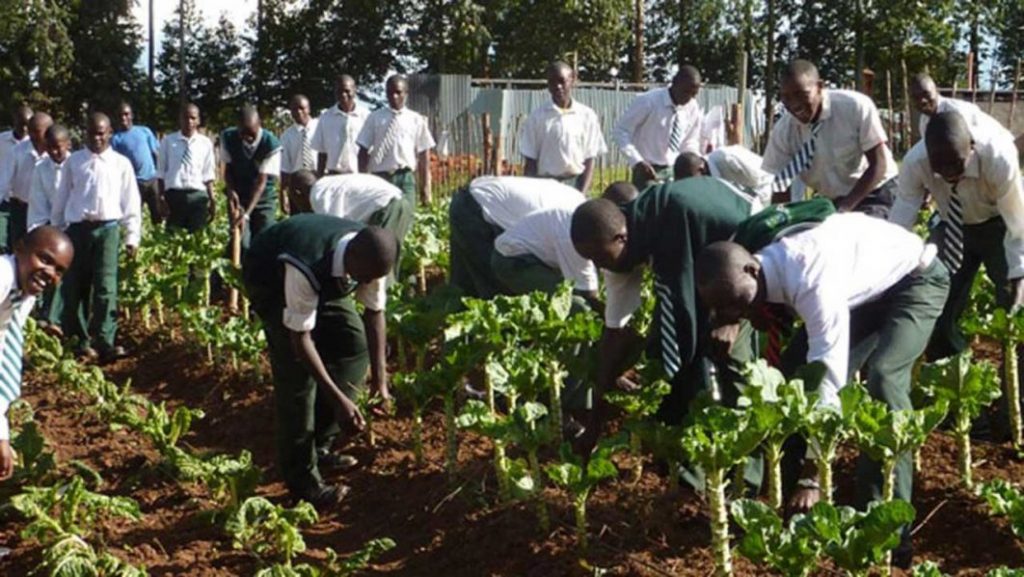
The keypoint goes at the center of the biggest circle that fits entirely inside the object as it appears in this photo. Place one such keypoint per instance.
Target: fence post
(486, 122)
(1013, 97)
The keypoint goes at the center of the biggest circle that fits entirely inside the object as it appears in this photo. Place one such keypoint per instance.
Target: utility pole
(769, 71)
(182, 96)
(638, 43)
(152, 59)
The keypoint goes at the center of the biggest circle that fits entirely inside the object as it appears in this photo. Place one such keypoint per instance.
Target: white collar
(338, 262)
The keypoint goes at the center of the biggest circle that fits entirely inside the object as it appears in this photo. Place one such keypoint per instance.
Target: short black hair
(800, 68)
(689, 72)
(379, 245)
(304, 178)
(719, 265)
(43, 234)
(395, 79)
(558, 65)
(596, 221)
(947, 130)
(620, 192)
(688, 164)
(248, 113)
(97, 117)
(57, 132)
(297, 98)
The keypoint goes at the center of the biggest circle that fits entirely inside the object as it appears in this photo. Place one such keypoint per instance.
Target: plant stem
(963, 445)
(500, 461)
(1012, 384)
(423, 277)
(579, 505)
(715, 486)
(417, 434)
(555, 382)
(538, 488)
(451, 455)
(739, 480)
(889, 479)
(773, 462)
(825, 476)
(638, 460)
(673, 477)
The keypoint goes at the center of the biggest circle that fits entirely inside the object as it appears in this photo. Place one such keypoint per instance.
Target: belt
(334, 172)
(394, 172)
(15, 202)
(94, 224)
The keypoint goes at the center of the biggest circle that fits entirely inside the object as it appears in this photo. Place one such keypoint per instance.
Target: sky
(237, 10)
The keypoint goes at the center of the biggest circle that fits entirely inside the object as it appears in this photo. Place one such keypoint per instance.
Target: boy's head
(924, 95)
(299, 107)
(188, 120)
(561, 80)
(801, 90)
(949, 144)
(37, 127)
(97, 132)
(727, 278)
(685, 84)
(58, 143)
(42, 256)
(599, 233)
(371, 254)
(689, 164)
(302, 181)
(249, 122)
(125, 116)
(19, 120)
(397, 88)
(345, 92)
(620, 192)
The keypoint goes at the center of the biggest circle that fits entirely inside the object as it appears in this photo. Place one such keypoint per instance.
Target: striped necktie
(186, 156)
(388, 142)
(953, 241)
(799, 163)
(10, 355)
(675, 139)
(307, 152)
(667, 329)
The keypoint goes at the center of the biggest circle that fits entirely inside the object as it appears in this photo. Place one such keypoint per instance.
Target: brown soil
(440, 528)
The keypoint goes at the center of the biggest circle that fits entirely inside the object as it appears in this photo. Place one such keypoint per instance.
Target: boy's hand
(6, 460)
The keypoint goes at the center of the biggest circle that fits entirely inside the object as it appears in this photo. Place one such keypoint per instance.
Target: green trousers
(887, 336)
(397, 217)
(470, 243)
(13, 223)
(305, 418)
(641, 180)
(92, 275)
(404, 179)
(189, 209)
(523, 274)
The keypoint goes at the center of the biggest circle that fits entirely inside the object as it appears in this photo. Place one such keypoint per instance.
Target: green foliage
(270, 531)
(36, 463)
(68, 509)
(721, 437)
(1007, 501)
(969, 387)
(792, 551)
(336, 566)
(73, 557)
(857, 541)
(579, 478)
(927, 569)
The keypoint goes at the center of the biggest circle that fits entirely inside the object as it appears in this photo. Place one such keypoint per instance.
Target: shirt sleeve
(209, 164)
(287, 157)
(623, 296)
(316, 142)
(5, 428)
(38, 204)
(692, 136)
(574, 267)
(1010, 202)
(826, 316)
(777, 154)
(374, 294)
(225, 156)
(300, 301)
(909, 196)
(527, 139)
(367, 134)
(60, 200)
(7, 174)
(161, 160)
(626, 127)
(595, 145)
(871, 131)
(271, 165)
(131, 206)
(424, 140)
(152, 143)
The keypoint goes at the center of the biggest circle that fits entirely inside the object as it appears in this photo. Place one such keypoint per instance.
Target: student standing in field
(337, 129)
(301, 275)
(395, 144)
(664, 228)
(866, 290)
(297, 154)
(974, 178)
(139, 145)
(562, 139)
(833, 140)
(364, 198)
(39, 260)
(487, 207)
(16, 171)
(186, 171)
(252, 159)
(18, 132)
(97, 194)
(45, 182)
(925, 97)
(659, 125)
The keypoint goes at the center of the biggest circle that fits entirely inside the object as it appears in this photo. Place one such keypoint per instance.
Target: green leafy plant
(35, 462)
(638, 407)
(1009, 330)
(791, 550)
(71, 556)
(336, 566)
(859, 541)
(580, 477)
(270, 531)
(826, 428)
(1005, 500)
(968, 387)
(68, 509)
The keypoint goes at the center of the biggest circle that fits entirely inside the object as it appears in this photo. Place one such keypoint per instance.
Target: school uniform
(483, 210)
(297, 154)
(869, 294)
(139, 145)
(364, 198)
(8, 141)
(537, 254)
(740, 166)
(16, 171)
(186, 165)
(15, 307)
(97, 194)
(560, 140)
(655, 130)
(987, 210)
(45, 181)
(245, 163)
(335, 135)
(848, 126)
(292, 275)
(972, 113)
(393, 139)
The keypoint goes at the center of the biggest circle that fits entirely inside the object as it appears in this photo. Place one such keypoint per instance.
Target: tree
(36, 54)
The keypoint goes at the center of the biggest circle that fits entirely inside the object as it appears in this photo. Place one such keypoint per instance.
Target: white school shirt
(644, 130)
(972, 113)
(352, 196)
(291, 146)
(270, 166)
(8, 141)
(335, 135)
(202, 167)
(413, 138)
(301, 299)
(740, 166)
(9, 283)
(850, 126)
(825, 272)
(16, 171)
(45, 181)
(506, 199)
(990, 187)
(98, 187)
(561, 140)
(545, 235)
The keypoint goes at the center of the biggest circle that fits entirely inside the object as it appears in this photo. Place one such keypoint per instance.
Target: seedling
(1009, 330)
(639, 406)
(580, 478)
(1005, 500)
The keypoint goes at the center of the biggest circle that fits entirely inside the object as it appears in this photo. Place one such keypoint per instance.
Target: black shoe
(323, 496)
(87, 355)
(335, 462)
(112, 354)
(903, 556)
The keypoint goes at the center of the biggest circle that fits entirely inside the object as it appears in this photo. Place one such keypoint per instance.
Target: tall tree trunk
(182, 93)
(769, 70)
(638, 42)
(152, 62)
(858, 44)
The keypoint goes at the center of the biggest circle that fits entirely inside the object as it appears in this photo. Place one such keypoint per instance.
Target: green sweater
(244, 167)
